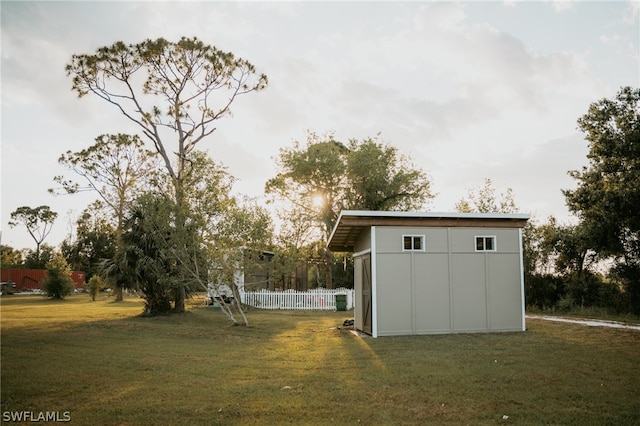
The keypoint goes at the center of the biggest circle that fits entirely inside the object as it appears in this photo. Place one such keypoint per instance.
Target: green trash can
(341, 302)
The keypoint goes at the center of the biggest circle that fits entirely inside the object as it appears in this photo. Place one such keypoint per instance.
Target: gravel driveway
(591, 323)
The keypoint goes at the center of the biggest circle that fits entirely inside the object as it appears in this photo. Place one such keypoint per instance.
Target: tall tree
(116, 167)
(485, 200)
(608, 191)
(539, 247)
(381, 178)
(145, 259)
(607, 198)
(237, 246)
(95, 241)
(313, 178)
(38, 221)
(34, 260)
(168, 89)
(226, 229)
(326, 176)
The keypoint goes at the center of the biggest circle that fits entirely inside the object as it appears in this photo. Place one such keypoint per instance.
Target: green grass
(105, 365)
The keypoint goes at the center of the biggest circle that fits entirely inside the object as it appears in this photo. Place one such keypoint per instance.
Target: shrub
(93, 286)
(566, 304)
(628, 276)
(58, 283)
(543, 291)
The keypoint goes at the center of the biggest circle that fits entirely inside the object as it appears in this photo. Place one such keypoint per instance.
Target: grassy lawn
(105, 365)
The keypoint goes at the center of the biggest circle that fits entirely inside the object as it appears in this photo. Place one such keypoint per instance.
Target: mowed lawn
(105, 365)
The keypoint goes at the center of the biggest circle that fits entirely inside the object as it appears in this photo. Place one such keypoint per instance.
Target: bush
(566, 304)
(58, 283)
(543, 291)
(570, 292)
(93, 286)
(628, 276)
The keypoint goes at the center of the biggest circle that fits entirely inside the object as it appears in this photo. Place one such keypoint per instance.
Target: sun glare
(318, 200)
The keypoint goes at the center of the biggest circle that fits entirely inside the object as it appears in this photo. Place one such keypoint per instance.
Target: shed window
(413, 243)
(485, 243)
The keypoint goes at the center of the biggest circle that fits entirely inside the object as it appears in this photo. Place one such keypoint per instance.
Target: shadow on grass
(107, 365)
(546, 375)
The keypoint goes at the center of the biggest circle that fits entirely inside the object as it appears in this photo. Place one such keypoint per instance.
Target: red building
(28, 279)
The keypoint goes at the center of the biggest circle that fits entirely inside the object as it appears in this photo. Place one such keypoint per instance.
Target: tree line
(166, 223)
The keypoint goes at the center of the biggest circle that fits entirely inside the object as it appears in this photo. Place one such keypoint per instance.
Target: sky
(467, 90)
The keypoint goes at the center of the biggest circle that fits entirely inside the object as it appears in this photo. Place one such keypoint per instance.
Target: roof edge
(423, 215)
(449, 215)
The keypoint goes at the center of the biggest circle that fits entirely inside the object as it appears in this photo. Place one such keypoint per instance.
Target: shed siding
(463, 239)
(432, 293)
(394, 294)
(469, 292)
(505, 292)
(449, 287)
(389, 239)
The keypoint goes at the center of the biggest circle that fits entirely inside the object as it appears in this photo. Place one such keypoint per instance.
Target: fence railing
(316, 299)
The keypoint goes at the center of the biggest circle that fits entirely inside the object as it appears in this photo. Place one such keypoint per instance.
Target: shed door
(366, 293)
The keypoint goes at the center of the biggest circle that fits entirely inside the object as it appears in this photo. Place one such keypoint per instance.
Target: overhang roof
(351, 223)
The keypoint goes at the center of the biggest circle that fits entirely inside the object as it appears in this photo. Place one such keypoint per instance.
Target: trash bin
(341, 302)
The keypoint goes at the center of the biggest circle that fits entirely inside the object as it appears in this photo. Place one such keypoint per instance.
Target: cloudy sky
(468, 90)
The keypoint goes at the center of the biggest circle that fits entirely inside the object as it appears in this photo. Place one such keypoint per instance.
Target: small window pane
(479, 243)
(488, 243)
(407, 243)
(417, 243)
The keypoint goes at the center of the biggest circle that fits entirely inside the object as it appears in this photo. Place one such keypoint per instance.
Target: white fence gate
(316, 299)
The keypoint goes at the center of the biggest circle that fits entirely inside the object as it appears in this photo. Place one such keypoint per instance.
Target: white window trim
(475, 243)
(422, 237)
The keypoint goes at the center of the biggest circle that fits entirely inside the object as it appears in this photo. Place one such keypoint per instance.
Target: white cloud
(562, 5)
(464, 97)
(633, 12)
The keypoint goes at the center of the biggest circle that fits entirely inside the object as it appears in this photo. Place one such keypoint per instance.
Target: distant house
(257, 272)
(430, 273)
(253, 270)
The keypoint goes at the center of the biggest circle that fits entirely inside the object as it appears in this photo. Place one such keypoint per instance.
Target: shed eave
(350, 223)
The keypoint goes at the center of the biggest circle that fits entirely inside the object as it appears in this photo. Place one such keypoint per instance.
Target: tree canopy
(608, 192)
(115, 167)
(318, 180)
(95, 240)
(174, 92)
(485, 200)
(326, 176)
(607, 199)
(171, 90)
(38, 221)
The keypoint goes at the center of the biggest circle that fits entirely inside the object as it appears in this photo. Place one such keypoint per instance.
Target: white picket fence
(316, 299)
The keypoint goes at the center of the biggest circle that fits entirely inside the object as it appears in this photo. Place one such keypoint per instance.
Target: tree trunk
(180, 296)
(119, 296)
(328, 272)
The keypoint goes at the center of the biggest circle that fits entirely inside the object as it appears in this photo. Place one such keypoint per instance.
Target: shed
(434, 273)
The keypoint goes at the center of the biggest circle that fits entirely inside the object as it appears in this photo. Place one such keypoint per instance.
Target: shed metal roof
(351, 223)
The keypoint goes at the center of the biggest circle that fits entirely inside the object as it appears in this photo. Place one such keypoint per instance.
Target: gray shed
(434, 273)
